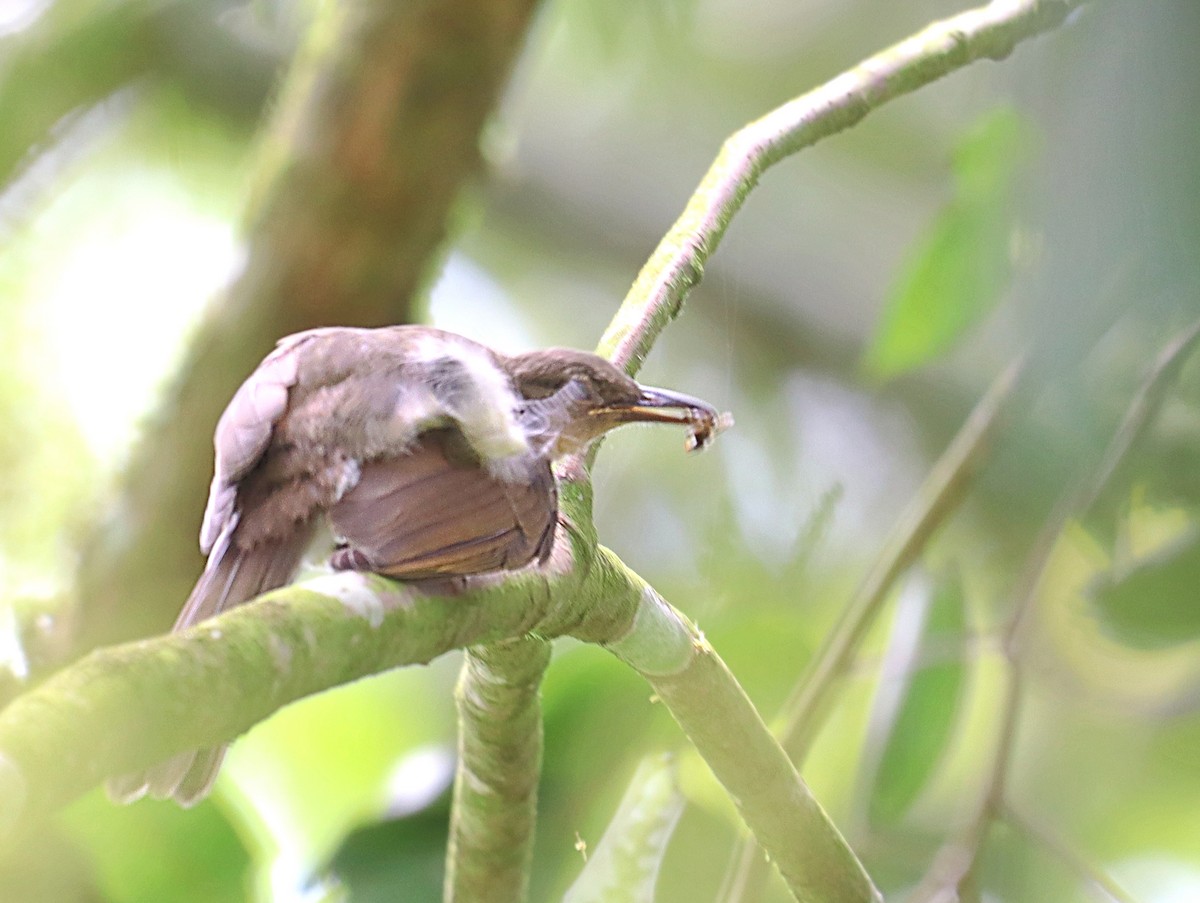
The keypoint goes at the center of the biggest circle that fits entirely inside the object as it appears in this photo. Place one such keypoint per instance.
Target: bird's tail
(231, 577)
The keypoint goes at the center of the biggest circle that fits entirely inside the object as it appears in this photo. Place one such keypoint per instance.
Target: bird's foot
(348, 558)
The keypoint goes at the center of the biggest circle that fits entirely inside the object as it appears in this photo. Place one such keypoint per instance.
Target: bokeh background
(859, 305)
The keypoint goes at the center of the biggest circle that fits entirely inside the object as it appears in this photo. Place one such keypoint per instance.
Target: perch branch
(121, 708)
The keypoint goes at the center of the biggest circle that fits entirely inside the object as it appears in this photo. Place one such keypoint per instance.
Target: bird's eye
(538, 389)
(556, 385)
(556, 407)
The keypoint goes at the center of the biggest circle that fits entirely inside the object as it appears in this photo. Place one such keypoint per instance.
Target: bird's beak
(667, 406)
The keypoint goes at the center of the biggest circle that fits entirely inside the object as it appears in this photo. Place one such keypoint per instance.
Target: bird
(429, 455)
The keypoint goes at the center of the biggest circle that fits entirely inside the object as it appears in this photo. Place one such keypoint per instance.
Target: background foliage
(860, 303)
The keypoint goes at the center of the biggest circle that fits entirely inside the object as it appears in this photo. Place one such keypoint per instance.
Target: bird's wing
(244, 432)
(431, 512)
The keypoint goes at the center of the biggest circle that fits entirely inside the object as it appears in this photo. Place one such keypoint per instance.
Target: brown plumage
(429, 454)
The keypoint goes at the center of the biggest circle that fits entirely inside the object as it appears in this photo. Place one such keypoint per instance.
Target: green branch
(677, 264)
(944, 490)
(499, 764)
(722, 723)
(123, 708)
(625, 863)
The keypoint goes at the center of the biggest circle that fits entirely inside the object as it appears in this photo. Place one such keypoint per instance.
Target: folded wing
(435, 512)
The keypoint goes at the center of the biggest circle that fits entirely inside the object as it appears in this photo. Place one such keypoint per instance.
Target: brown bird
(429, 455)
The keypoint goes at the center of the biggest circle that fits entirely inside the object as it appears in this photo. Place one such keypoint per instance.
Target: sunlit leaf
(625, 864)
(1154, 603)
(920, 719)
(958, 270)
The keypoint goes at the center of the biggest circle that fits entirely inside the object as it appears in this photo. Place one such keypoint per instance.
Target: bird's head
(573, 397)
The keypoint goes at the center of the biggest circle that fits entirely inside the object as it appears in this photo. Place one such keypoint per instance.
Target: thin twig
(1067, 855)
(941, 494)
(1142, 410)
(1145, 404)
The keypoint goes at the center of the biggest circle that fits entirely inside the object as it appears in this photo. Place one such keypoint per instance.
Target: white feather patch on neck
(476, 394)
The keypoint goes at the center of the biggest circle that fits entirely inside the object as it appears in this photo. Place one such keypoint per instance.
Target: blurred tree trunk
(377, 129)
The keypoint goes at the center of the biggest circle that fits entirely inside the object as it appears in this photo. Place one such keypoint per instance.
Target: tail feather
(232, 577)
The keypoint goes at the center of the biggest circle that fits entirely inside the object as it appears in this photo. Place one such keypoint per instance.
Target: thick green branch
(723, 725)
(499, 763)
(122, 708)
(677, 264)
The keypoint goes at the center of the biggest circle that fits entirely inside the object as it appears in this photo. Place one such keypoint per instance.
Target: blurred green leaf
(1153, 603)
(155, 851)
(604, 36)
(926, 709)
(958, 271)
(625, 864)
(397, 859)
